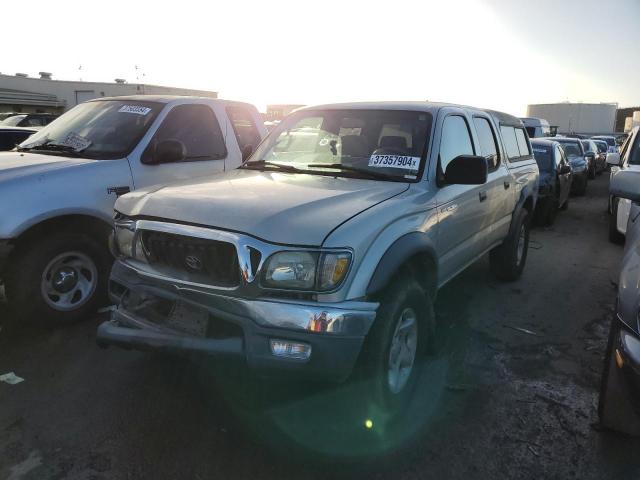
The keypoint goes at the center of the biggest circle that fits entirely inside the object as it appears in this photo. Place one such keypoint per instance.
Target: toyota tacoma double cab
(325, 250)
(57, 190)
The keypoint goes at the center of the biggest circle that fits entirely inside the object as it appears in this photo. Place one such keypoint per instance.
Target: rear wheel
(614, 235)
(58, 279)
(552, 211)
(508, 260)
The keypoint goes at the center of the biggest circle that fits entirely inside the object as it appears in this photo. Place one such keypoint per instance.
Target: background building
(587, 118)
(278, 112)
(20, 93)
(627, 118)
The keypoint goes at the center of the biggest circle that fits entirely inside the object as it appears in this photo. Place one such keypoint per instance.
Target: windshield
(105, 129)
(543, 157)
(386, 144)
(571, 149)
(602, 146)
(13, 121)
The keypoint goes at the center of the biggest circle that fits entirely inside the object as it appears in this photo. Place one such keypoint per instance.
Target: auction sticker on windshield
(394, 161)
(75, 141)
(137, 109)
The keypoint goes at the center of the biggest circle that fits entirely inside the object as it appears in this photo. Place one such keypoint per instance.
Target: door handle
(506, 185)
(483, 196)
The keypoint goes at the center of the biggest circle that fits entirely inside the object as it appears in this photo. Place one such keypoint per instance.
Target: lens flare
(368, 423)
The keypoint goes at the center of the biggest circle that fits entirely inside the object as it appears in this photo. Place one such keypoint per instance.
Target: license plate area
(187, 319)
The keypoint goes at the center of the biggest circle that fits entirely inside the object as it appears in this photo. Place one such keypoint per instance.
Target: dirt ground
(494, 401)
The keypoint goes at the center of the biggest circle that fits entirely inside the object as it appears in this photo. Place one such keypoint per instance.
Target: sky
(500, 54)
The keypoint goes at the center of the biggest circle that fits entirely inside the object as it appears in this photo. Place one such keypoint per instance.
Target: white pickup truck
(57, 190)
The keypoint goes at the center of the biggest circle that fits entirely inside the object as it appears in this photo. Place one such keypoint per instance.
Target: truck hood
(16, 164)
(293, 209)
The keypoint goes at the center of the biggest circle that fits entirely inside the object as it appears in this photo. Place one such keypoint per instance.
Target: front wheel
(58, 279)
(508, 260)
(397, 343)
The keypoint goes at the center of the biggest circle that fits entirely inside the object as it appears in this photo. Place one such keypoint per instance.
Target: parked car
(627, 159)
(601, 157)
(5, 115)
(12, 136)
(313, 248)
(29, 120)
(619, 405)
(611, 142)
(54, 259)
(555, 179)
(579, 163)
(536, 127)
(591, 152)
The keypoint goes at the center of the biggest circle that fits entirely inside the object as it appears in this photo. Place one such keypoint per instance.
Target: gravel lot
(496, 402)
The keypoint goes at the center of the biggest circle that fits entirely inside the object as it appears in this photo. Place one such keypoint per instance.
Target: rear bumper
(247, 326)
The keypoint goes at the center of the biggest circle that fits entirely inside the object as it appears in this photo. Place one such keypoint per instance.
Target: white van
(536, 127)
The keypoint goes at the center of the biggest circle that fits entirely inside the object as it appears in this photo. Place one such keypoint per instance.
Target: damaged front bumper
(158, 314)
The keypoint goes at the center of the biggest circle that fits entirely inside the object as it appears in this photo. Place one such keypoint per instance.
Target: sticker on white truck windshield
(394, 161)
(137, 109)
(75, 141)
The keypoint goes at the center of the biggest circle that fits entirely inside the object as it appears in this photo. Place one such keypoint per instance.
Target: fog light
(287, 349)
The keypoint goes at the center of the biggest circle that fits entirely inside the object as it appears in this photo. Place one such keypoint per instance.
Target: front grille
(202, 260)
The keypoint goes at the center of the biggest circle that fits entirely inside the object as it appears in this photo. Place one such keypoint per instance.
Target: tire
(582, 189)
(615, 409)
(552, 212)
(614, 235)
(58, 279)
(507, 260)
(592, 172)
(404, 303)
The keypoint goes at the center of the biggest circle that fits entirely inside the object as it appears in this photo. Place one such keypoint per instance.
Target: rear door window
(510, 141)
(455, 140)
(523, 144)
(487, 140)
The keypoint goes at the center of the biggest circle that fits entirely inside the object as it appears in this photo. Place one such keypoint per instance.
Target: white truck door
(202, 129)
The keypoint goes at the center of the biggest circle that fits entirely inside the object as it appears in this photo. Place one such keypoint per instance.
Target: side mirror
(247, 150)
(564, 169)
(467, 170)
(166, 151)
(626, 184)
(613, 159)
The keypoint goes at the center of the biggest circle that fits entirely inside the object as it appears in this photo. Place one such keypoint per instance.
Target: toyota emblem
(193, 262)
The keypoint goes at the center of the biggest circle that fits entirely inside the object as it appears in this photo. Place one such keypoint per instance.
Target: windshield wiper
(50, 146)
(258, 165)
(348, 168)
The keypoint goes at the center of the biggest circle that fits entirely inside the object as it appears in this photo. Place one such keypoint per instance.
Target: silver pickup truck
(328, 246)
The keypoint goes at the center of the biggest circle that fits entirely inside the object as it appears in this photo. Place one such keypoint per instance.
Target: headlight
(301, 270)
(125, 231)
(127, 242)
